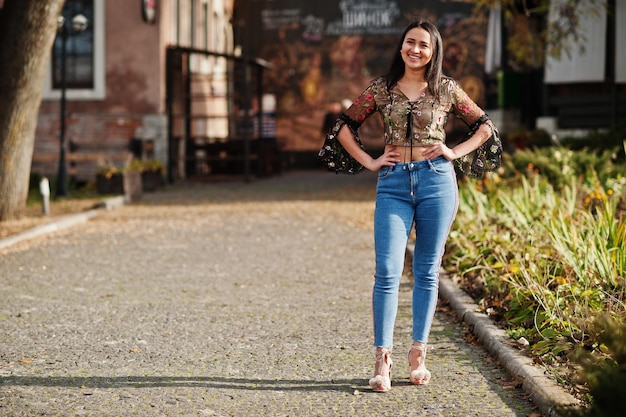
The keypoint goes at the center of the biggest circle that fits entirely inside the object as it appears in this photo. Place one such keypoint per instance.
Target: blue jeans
(423, 194)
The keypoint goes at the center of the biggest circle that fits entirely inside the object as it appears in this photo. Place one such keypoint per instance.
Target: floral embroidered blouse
(418, 123)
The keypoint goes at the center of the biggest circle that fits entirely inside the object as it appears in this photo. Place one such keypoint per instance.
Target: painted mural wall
(325, 52)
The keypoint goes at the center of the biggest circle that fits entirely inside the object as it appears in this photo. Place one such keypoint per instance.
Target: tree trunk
(27, 31)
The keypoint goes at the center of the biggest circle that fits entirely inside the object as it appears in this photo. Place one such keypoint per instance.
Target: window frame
(98, 92)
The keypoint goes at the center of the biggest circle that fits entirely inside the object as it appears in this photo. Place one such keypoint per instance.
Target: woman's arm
(388, 158)
(361, 109)
(479, 137)
(464, 107)
(441, 149)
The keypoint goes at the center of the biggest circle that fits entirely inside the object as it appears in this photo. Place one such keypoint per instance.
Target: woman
(416, 183)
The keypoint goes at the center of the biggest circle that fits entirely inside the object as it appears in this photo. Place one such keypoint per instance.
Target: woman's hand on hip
(438, 149)
(388, 158)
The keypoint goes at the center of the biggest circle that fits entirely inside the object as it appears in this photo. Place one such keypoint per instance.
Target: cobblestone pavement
(229, 299)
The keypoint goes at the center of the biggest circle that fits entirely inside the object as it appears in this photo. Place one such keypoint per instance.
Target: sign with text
(326, 52)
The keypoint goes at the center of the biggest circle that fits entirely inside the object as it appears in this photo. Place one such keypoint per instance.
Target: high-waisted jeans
(423, 194)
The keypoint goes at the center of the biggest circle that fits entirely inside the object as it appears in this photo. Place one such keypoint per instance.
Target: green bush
(604, 373)
(613, 139)
(541, 246)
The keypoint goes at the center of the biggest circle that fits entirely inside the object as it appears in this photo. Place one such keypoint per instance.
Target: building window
(79, 48)
(84, 62)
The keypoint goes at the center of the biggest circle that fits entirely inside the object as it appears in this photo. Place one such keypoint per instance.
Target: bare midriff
(406, 154)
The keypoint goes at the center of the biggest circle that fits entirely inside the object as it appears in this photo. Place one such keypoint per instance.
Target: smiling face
(417, 49)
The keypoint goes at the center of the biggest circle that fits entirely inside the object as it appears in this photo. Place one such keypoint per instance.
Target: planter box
(113, 184)
(151, 180)
(128, 184)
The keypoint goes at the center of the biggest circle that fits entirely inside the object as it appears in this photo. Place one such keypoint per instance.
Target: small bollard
(44, 189)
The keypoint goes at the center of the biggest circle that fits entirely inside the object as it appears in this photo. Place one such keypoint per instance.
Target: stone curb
(544, 392)
(63, 222)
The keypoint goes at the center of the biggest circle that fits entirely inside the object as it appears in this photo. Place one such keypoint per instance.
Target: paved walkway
(227, 299)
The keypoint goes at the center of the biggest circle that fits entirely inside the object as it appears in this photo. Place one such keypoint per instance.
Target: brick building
(116, 78)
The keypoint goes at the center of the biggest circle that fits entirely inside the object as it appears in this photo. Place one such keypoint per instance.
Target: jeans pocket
(440, 166)
(384, 172)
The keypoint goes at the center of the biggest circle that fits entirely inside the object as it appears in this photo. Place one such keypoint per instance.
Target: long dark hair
(433, 69)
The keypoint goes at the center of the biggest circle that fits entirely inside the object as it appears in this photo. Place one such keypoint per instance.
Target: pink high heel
(419, 375)
(381, 382)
